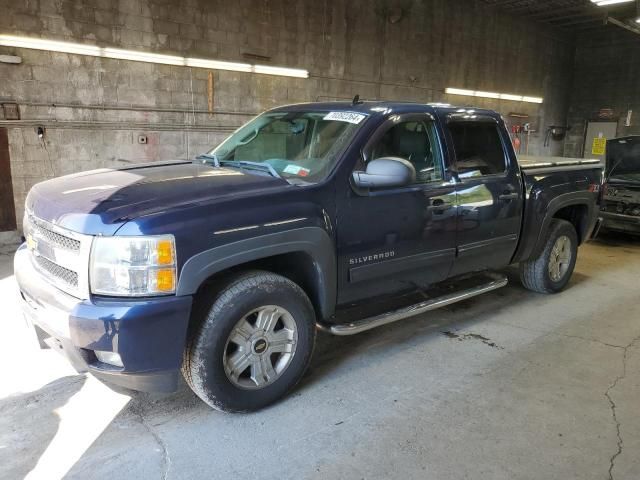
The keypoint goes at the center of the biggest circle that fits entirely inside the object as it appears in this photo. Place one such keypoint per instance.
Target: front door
(489, 194)
(395, 239)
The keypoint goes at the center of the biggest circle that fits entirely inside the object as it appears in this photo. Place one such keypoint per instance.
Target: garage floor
(510, 385)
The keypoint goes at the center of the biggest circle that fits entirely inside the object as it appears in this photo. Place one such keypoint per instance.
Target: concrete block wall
(607, 69)
(94, 109)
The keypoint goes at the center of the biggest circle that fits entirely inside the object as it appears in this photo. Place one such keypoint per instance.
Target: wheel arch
(576, 214)
(578, 208)
(305, 255)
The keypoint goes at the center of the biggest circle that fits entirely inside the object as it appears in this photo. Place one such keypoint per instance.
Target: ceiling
(572, 15)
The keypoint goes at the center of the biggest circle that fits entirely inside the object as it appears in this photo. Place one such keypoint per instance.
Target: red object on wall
(516, 144)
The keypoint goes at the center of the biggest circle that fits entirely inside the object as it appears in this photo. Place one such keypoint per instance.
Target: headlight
(133, 266)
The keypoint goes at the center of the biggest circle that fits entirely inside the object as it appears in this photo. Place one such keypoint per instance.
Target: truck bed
(557, 184)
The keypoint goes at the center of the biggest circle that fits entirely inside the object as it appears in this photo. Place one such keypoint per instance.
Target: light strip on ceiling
(604, 3)
(139, 56)
(499, 96)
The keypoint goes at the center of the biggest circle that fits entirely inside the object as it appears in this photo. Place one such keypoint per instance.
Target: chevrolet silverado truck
(338, 217)
(621, 202)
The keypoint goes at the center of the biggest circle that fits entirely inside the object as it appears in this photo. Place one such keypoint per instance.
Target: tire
(256, 319)
(544, 274)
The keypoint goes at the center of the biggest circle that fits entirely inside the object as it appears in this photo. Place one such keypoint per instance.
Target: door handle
(509, 195)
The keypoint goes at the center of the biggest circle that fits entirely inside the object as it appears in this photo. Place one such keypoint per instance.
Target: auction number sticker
(349, 117)
(297, 170)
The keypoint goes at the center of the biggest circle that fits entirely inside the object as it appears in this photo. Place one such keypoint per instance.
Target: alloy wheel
(560, 258)
(260, 347)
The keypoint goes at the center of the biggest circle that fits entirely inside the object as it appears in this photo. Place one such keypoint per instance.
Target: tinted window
(478, 149)
(414, 141)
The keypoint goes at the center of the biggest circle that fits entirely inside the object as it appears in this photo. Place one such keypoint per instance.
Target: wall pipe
(130, 108)
(53, 124)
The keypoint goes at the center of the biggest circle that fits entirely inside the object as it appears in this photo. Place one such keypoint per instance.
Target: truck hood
(98, 202)
(623, 158)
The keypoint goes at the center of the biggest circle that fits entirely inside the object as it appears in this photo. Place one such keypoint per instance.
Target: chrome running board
(359, 326)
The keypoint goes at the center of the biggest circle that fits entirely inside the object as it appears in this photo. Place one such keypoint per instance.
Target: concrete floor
(527, 387)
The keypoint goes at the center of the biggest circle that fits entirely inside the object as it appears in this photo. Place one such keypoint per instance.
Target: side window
(478, 149)
(414, 141)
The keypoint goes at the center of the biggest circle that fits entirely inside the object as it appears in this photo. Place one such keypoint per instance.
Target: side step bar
(498, 281)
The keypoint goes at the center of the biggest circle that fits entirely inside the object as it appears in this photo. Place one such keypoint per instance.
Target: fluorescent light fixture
(508, 96)
(217, 65)
(459, 91)
(487, 94)
(287, 72)
(604, 3)
(139, 56)
(500, 96)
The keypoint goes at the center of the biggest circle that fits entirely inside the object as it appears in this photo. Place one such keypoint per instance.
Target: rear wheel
(253, 345)
(551, 270)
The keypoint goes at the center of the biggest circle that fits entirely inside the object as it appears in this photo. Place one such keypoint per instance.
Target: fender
(561, 201)
(313, 241)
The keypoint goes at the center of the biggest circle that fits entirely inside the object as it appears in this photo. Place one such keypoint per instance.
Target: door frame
(586, 131)
(7, 205)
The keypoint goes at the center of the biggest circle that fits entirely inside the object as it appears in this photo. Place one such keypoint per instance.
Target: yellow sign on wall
(599, 146)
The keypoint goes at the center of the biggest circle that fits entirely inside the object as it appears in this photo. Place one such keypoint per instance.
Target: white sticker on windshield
(292, 169)
(297, 170)
(350, 117)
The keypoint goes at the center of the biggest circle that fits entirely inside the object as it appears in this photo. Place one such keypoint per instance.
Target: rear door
(393, 239)
(489, 193)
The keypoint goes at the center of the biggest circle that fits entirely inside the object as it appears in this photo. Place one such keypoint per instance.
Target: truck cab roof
(379, 108)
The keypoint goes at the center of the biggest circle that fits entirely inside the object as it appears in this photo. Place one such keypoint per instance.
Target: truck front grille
(622, 208)
(39, 228)
(59, 255)
(57, 272)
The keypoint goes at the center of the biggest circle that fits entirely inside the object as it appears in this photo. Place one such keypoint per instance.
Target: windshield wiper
(206, 157)
(264, 167)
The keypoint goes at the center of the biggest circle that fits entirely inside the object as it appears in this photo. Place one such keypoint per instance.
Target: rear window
(478, 149)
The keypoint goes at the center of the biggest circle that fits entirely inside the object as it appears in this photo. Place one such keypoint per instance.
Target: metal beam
(579, 22)
(566, 14)
(620, 24)
(545, 13)
(569, 18)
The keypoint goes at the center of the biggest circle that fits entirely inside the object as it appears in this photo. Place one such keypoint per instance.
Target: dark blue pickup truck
(310, 217)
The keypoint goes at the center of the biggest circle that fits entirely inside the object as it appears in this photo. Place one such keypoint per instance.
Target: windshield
(298, 145)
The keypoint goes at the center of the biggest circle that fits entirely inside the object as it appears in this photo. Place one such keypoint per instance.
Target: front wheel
(253, 345)
(551, 270)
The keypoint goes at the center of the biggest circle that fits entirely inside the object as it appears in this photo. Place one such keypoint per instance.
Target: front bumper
(621, 223)
(148, 334)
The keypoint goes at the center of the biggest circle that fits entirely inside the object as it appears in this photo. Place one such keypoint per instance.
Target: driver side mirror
(386, 172)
